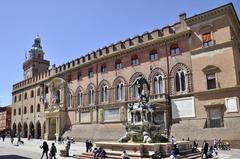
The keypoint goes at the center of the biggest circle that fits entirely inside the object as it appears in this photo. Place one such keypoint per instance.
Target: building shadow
(13, 157)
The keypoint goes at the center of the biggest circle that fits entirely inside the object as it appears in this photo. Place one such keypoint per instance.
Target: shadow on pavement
(13, 157)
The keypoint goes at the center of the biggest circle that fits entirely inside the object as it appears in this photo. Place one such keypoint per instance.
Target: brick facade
(187, 68)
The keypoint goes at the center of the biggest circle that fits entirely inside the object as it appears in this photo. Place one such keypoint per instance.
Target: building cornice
(225, 9)
(208, 93)
(212, 48)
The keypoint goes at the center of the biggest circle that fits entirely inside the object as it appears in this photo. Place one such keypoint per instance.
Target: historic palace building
(192, 68)
(5, 119)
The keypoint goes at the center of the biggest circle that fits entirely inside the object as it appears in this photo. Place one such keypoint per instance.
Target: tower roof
(37, 43)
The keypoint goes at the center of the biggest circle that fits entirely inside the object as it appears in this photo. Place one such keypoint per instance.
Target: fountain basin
(143, 149)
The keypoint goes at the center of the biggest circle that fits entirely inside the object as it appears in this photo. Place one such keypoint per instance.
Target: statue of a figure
(143, 88)
(56, 97)
(146, 137)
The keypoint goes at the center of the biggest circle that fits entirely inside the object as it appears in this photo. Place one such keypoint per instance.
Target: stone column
(46, 136)
(57, 127)
(42, 131)
(165, 119)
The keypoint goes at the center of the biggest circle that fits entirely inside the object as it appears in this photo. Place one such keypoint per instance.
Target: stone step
(116, 156)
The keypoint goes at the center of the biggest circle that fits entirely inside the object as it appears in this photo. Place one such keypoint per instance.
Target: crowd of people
(207, 151)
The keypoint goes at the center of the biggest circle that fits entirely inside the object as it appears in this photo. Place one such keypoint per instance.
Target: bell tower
(35, 63)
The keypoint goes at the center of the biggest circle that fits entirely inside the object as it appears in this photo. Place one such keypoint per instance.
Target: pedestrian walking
(87, 145)
(19, 139)
(45, 149)
(3, 137)
(205, 149)
(53, 151)
(12, 139)
(90, 145)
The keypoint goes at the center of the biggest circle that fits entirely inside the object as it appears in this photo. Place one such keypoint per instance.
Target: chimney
(182, 17)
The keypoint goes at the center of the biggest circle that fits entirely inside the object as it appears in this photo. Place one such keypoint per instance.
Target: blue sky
(69, 29)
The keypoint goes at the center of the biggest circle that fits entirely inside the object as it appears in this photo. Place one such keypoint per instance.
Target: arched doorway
(52, 128)
(14, 129)
(19, 129)
(38, 129)
(25, 130)
(31, 130)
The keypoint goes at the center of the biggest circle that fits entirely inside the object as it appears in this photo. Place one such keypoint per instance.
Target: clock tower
(35, 63)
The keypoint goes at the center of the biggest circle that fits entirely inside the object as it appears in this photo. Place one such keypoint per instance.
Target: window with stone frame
(31, 109)
(211, 72)
(38, 108)
(211, 81)
(120, 91)
(180, 82)
(20, 97)
(15, 99)
(207, 40)
(38, 91)
(80, 98)
(14, 112)
(104, 94)
(32, 93)
(19, 111)
(103, 68)
(158, 84)
(91, 96)
(135, 93)
(25, 110)
(90, 73)
(46, 89)
(215, 117)
(118, 64)
(69, 100)
(153, 55)
(25, 95)
(174, 49)
(135, 60)
(79, 75)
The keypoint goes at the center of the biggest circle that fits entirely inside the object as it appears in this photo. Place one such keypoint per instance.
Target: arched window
(20, 97)
(135, 60)
(118, 64)
(120, 91)
(19, 111)
(31, 109)
(158, 84)
(91, 96)
(174, 49)
(25, 110)
(180, 81)
(38, 108)
(46, 89)
(38, 91)
(80, 98)
(135, 91)
(25, 95)
(69, 100)
(32, 93)
(104, 94)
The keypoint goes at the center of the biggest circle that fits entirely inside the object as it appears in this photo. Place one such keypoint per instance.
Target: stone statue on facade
(143, 88)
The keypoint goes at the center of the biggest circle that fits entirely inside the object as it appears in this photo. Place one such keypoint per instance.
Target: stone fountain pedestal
(143, 149)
